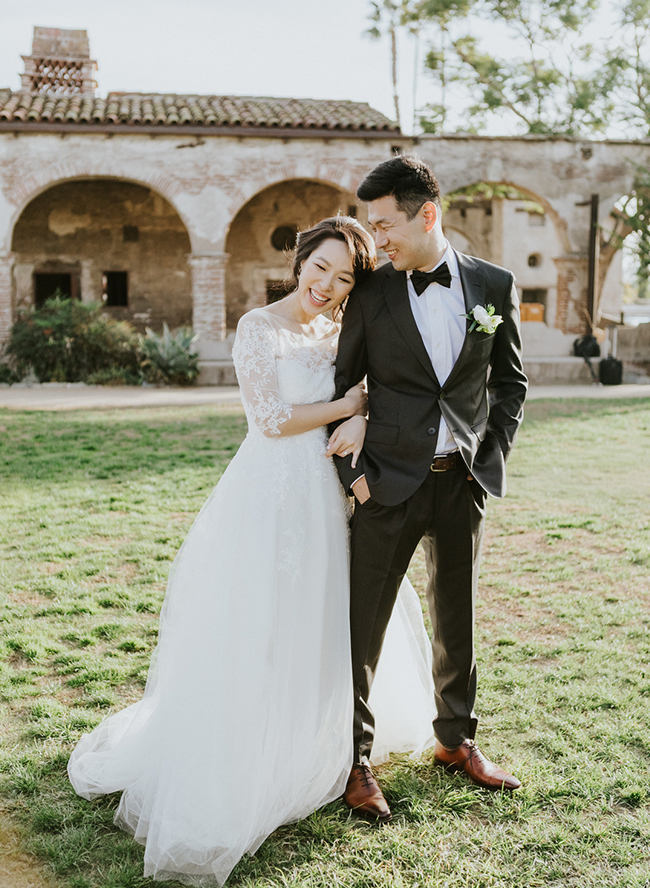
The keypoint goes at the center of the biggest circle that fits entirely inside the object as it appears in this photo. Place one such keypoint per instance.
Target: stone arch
(116, 241)
(530, 250)
(22, 190)
(255, 265)
(549, 209)
(343, 176)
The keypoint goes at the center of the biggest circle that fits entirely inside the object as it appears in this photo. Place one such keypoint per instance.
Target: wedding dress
(246, 720)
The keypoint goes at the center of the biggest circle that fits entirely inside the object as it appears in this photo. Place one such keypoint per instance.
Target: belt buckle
(433, 467)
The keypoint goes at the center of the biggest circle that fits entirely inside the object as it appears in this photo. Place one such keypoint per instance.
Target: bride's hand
(348, 438)
(357, 398)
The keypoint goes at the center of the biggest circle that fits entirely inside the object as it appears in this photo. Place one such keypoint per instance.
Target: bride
(246, 720)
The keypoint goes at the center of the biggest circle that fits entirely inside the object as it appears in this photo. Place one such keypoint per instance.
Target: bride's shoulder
(253, 320)
(254, 316)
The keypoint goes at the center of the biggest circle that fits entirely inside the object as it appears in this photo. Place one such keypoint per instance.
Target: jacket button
(432, 431)
(442, 395)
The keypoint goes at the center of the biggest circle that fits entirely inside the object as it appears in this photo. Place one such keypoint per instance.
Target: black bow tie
(440, 275)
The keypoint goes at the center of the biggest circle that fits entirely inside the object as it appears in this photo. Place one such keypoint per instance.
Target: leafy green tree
(628, 65)
(542, 73)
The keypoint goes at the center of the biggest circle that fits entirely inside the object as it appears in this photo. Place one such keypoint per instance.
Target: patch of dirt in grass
(52, 567)
(18, 869)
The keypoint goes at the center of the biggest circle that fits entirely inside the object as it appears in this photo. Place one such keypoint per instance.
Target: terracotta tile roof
(156, 110)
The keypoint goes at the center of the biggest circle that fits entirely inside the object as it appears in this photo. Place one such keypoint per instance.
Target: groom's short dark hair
(407, 179)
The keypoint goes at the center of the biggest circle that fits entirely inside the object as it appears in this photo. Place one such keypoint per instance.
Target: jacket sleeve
(507, 383)
(351, 368)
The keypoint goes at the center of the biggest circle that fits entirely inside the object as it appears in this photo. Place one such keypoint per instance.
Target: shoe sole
(369, 815)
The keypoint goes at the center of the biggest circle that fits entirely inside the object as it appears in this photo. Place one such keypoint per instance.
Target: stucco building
(179, 207)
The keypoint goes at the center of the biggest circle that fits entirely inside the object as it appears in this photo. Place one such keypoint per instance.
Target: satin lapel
(397, 299)
(473, 284)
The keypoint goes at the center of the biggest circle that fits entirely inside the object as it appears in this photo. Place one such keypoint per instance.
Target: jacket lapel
(473, 284)
(397, 299)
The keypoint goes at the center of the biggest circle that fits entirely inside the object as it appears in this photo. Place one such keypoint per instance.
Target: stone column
(209, 294)
(6, 297)
(209, 316)
(570, 314)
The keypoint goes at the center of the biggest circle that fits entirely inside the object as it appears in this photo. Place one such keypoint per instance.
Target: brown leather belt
(445, 463)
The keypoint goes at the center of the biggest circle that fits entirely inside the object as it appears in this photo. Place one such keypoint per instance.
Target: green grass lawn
(93, 507)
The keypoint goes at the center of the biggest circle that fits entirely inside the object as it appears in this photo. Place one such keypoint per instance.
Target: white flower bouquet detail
(483, 319)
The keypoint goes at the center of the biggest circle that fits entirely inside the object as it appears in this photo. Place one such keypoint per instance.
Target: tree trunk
(393, 51)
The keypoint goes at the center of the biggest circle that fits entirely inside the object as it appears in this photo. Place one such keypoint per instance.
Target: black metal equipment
(610, 371)
(587, 347)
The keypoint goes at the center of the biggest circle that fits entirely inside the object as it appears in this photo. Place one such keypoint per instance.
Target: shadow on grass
(50, 447)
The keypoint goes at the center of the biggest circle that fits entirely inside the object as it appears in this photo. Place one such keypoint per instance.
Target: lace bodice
(278, 364)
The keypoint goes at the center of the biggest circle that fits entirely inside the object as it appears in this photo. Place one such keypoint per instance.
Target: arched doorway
(264, 230)
(516, 229)
(105, 241)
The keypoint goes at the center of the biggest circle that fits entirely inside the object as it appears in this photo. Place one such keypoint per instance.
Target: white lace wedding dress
(246, 720)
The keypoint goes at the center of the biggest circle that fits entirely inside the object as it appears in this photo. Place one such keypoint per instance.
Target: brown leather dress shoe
(468, 758)
(364, 796)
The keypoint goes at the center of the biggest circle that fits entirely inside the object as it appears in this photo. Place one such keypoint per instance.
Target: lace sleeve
(254, 360)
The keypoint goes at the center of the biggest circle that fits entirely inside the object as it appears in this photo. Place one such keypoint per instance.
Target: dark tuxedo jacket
(481, 401)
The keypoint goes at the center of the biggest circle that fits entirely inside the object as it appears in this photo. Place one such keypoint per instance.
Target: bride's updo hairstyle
(359, 242)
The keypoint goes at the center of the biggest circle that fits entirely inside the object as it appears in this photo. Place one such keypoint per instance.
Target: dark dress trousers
(482, 403)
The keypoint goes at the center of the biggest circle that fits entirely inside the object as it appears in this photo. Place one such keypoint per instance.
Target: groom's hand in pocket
(361, 490)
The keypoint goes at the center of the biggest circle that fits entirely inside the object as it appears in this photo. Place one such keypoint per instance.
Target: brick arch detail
(558, 221)
(343, 177)
(27, 188)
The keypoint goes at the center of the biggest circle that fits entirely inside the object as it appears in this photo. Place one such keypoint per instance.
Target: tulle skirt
(246, 719)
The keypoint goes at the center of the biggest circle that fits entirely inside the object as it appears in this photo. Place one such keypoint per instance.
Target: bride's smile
(325, 280)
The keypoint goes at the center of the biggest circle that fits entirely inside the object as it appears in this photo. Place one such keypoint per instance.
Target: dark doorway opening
(47, 283)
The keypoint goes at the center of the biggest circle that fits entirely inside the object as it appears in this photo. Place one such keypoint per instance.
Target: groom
(437, 335)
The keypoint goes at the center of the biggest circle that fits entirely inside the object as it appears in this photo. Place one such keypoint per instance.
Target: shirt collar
(449, 256)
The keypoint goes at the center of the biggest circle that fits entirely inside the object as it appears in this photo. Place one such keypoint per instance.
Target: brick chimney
(60, 64)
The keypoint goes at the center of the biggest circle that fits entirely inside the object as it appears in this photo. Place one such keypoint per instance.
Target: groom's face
(405, 241)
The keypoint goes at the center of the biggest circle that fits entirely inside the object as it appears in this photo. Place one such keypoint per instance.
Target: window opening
(115, 291)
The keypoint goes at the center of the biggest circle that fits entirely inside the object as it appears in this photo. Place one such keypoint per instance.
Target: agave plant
(169, 356)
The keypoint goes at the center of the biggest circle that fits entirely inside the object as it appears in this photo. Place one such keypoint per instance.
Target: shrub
(64, 340)
(170, 357)
(114, 376)
(8, 375)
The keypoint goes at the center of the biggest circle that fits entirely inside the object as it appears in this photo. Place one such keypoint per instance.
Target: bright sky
(302, 48)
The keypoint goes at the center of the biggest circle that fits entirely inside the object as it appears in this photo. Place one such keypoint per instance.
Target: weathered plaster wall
(475, 221)
(81, 224)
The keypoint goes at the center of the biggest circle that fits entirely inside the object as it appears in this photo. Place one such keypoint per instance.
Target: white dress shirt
(439, 314)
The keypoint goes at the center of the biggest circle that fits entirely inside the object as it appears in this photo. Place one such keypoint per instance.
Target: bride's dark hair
(343, 228)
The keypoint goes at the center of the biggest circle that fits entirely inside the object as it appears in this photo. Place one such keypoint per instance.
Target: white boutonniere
(483, 319)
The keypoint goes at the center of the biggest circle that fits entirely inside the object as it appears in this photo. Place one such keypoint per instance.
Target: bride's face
(326, 277)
